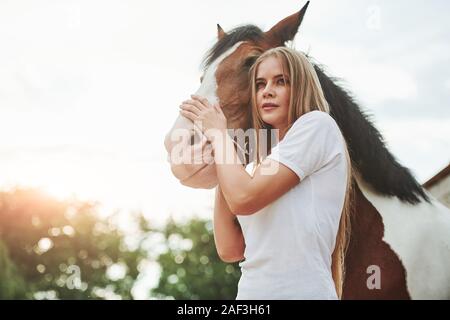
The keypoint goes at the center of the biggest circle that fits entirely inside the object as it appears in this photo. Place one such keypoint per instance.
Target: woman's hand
(204, 115)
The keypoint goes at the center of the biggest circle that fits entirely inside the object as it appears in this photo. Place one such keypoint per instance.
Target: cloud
(418, 143)
(447, 84)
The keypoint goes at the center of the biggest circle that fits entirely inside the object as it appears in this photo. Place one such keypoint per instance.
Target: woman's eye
(281, 81)
(259, 85)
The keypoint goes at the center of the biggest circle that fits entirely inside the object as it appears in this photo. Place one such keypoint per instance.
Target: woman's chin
(268, 119)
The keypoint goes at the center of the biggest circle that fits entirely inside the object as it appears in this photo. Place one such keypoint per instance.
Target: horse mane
(242, 33)
(367, 148)
(368, 151)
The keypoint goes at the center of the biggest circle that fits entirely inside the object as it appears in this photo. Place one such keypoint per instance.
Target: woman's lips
(269, 106)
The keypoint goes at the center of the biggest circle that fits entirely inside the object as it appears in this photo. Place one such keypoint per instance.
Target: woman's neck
(282, 130)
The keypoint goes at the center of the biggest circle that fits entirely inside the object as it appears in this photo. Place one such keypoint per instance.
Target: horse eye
(250, 61)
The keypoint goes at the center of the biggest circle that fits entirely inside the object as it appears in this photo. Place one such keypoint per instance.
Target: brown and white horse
(400, 240)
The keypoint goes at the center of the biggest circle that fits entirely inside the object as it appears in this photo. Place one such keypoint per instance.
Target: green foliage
(51, 249)
(12, 285)
(58, 249)
(191, 268)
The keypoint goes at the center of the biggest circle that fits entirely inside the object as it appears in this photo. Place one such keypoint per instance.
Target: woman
(293, 223)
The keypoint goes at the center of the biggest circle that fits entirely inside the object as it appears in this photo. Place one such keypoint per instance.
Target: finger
(196, 103)
(191, 108)
(203, 100)
(194, 118)
(192, 104)
(191, 116)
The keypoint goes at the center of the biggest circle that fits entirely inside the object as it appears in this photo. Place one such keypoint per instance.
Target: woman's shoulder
(316, 114)
(315, 117)
(318, 125)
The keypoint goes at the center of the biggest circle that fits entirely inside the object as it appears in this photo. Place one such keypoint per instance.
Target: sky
(89, 89)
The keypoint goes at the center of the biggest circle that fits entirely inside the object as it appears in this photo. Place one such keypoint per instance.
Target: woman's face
(273, 91)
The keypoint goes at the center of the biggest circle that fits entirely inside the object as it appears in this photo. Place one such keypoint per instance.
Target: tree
(12, 285)
(52, 249)
(191, 268)
(61, 250)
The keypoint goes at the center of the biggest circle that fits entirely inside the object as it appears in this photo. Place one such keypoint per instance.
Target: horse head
(225, 80)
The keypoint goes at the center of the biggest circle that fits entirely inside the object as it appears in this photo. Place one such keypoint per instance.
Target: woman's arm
(245, 194)
(228, 235)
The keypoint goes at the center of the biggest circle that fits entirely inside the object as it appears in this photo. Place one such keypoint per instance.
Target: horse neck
(370, 157)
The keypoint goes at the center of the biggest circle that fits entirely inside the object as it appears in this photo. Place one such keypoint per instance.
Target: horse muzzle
(191, 160)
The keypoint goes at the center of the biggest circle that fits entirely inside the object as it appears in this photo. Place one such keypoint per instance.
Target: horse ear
(286, 29)
(220, 32)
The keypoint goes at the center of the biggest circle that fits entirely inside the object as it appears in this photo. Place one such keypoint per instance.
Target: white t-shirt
(290, 241)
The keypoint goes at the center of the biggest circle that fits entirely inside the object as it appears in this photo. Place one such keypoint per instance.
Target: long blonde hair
(305, 95)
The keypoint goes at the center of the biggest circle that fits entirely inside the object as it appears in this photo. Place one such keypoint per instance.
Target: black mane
(367, 149)
(242, 33)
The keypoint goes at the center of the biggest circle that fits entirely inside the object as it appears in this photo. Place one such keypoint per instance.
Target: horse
(399, 244)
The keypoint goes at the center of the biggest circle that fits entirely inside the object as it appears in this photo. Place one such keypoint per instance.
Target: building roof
(438, 177)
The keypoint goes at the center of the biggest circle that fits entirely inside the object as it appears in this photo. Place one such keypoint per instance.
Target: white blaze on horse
(398, 229)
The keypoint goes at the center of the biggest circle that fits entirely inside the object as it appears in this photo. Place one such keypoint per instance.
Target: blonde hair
(305, 95)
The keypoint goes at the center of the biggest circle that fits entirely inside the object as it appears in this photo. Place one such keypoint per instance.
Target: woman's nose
(268, 91)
